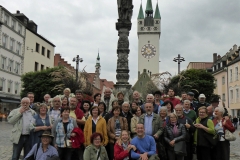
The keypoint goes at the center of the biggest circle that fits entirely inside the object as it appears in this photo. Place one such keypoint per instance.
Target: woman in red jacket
(122, 147)
(222, 149)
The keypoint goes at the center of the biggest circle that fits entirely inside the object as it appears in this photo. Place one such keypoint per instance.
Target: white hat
(201, 96)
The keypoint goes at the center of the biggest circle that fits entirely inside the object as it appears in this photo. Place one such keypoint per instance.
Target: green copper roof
(98, 57)
(149, 6)
(157, 13)
(140, 14)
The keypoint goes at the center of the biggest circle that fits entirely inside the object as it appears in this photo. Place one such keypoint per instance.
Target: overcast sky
(193, 28)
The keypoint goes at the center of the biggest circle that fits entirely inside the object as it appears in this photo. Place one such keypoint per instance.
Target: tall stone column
(125, 9)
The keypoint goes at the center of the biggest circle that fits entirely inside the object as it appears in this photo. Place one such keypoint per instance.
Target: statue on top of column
(125, 9)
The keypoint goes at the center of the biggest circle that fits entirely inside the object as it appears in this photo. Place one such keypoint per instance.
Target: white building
(12, 34)
(39, 51)
(149, 30)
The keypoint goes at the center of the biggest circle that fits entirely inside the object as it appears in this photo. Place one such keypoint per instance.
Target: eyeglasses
(202, 112)
(97, 139)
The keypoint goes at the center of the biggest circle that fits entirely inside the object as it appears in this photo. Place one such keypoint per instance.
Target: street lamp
(178, 59)
(77, 60)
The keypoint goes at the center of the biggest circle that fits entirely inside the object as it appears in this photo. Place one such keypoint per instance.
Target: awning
(10, 101)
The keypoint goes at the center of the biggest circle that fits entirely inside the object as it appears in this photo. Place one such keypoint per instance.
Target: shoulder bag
(98, 155)
(229, 136)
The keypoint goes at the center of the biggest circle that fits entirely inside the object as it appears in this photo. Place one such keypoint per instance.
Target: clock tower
(149, 30)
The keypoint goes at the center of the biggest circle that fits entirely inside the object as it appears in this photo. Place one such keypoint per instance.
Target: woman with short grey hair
(222, 149)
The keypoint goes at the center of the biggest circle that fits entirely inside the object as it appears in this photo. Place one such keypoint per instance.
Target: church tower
(96, 80)
(149, 30)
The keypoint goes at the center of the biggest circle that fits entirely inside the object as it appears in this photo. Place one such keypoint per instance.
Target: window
(3, 63)
(236, 73)
(230, 75)
(231, 94)
(223, 80)
(48, 54)
(10, 65)
(43, 51)
(237, 94)
(1, 84)
(9, 86)
(37, 47)
(12, 42)
(5, 39)
(47, 67)
(36, 66)
(6, 19)
(223, 97)
(19, 28)
(16, 87)
(42, 67)
(13, 24)
(18, 48)
(17, 67)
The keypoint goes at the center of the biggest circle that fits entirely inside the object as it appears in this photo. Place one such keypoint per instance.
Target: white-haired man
(150, 99)
(126, 113)
(136, 98)
(21, 118)
(201, 102)
(108, 98)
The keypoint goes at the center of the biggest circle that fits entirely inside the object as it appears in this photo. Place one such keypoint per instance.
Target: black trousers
(222, 151)
(65, 153)
(111, 151)
(173, 156)
(17, 148)
(203, 153)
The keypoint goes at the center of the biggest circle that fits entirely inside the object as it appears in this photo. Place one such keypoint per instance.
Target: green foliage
(192, 79)
(149, 88)
(40, 83)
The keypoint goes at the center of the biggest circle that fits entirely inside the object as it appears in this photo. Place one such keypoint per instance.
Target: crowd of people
(73, 128)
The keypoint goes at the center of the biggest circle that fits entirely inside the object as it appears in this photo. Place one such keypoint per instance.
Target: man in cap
(43, 150)
(193, 104)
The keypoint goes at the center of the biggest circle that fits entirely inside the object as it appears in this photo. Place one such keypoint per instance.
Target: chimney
(18, 12)
(138, 74)
(219, 57)
(214, 57)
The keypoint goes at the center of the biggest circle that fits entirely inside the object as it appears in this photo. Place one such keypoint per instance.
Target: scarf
(125, 146)
(175, 130)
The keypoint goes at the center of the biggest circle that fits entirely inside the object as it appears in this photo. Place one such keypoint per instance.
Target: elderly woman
(41, 122)
(204, 127)
(163, 112)
(134, 121)
(169, 106)
(97, 99)
(222, 149)
(86, 107)
(55, 110)
(102, 108)
(65, 102)
(66, 92)
(115, 125)
(95, 123)
(62, 132)
(43, 149)
(95, 151)
(122, 147)
(175, 134)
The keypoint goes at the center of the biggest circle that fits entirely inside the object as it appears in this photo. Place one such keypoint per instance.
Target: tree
(196, 80)
(53, 81)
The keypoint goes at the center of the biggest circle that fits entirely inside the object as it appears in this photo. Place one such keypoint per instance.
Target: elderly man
(189, 129)
(21, 118)
(136, 98)
(210, 112)
(55, 110)
(183, 97)
(145, 145)
(152, 122)
(126, 113)
(193, 104)
(108, 98)
(188, 112)
(46, 98)
(201, 102)
(150, 99)
(172, 98)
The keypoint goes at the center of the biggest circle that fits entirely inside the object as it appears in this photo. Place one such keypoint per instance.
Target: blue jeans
(17, 148)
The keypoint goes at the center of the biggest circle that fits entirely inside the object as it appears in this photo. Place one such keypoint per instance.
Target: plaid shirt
(60, 136)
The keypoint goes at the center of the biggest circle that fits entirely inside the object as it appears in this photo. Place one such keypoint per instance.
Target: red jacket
(79, 114)
(119, 153)
(228, 124)
(78, 140)
(174, 101)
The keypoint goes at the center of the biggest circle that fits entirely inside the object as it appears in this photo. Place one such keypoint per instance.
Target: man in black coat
(126, 113)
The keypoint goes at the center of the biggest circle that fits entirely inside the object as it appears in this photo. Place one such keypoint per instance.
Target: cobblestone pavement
(6, 145)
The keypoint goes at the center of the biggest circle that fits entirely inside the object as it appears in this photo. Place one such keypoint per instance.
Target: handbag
(229, 136)
(180, 148)
(212, 139)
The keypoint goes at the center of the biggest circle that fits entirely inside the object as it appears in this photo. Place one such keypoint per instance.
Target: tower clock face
(148, 51)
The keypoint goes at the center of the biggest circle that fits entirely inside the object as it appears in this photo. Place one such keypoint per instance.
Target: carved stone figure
(123, 42)
(125, 9)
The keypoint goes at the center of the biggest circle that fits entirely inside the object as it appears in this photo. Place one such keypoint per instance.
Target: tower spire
(140, 14)
(157, 13)
(98, 61)
(149, 9)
